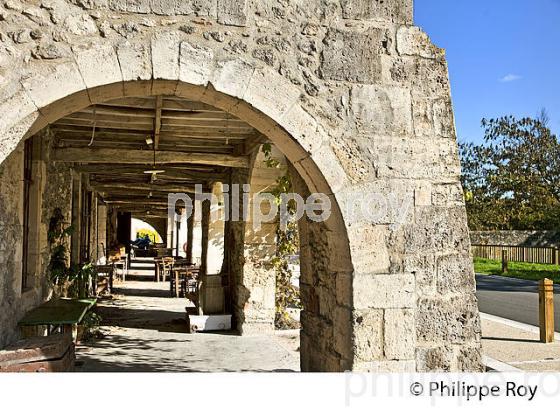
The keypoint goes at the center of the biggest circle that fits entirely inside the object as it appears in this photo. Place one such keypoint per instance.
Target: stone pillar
(253, 246)
(111, 228)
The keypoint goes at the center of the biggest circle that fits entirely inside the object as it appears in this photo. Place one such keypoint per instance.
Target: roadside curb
(507, 278)
(499, 366)
(514, 324)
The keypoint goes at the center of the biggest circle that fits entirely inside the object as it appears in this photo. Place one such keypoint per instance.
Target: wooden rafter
(212, 174)
(123, 156)
(166, 188)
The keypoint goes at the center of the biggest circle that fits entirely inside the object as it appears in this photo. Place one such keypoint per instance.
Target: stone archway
(157, 225)
(396, 290)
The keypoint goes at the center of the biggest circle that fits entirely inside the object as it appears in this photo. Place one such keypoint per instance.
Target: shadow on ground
(145, 330)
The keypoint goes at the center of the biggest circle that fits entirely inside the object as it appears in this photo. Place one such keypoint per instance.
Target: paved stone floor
(145, 331)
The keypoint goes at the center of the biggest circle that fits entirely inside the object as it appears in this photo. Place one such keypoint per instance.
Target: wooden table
(158, 262)
(58, 313)
(180, 283)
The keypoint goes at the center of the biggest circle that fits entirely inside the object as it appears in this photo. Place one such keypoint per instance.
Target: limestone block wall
(57, 193)
(49, 191)
(12, 303)
(250, 261)
(517, 238)
(328, 319)
(354, 95)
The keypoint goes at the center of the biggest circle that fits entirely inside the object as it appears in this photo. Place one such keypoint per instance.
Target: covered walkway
(145, 331)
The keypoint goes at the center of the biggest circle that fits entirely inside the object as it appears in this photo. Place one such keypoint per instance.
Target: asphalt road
(513, 299)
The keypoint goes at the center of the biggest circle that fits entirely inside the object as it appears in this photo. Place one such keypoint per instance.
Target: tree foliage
(511, 180)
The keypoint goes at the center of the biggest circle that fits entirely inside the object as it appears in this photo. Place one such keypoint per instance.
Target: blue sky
(503, 56)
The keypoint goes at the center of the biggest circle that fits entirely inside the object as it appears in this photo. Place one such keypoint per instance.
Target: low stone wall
(517, 238)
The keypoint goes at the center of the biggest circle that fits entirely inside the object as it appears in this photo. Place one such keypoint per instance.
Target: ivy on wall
(69, 280)
(287, 295)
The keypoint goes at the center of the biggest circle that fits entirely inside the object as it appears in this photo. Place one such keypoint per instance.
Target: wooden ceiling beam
(213, 174)
(102, 111)
(108, 118)
(140, 123)
(166, 188)
(168, 104)
(121, 156)
(186, 149)
(69, 122)
(198, 133)
(140, 139)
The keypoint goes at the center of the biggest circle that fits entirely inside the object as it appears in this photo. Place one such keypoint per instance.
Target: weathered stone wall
(355, 97)
(332, 333)
(52, 189)
(252, 249)
(57, 193)
(11, 246)
(544, 239)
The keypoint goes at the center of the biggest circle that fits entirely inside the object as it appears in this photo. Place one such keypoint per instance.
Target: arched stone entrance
(363, 114)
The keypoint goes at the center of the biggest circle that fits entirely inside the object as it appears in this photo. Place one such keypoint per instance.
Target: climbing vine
(287, 295)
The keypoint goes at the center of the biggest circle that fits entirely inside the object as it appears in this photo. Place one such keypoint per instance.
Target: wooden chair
(104, 280)
(191, 286)
(167, 267)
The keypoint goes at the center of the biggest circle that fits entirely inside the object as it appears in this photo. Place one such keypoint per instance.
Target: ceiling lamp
(149, 140)
(154, 171)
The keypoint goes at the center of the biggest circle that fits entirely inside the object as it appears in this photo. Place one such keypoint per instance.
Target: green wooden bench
(63, 314)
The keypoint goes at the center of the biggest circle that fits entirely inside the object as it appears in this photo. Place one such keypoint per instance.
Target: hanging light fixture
(154, 171)
(94, 126)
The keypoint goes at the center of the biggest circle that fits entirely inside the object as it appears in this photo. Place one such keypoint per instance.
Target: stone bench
(55, 353)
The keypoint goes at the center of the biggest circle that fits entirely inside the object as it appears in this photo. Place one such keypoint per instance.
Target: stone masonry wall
(55, 191)
(11, 219)
(517, 238)
(329, 323)
(57, 194)
(252, 250)
(357, 99)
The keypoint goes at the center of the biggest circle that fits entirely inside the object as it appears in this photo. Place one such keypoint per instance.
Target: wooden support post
(190, 235)
(546, 310)
(205, 224)
(504, 261)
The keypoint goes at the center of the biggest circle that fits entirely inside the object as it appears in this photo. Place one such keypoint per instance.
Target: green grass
(520, 270)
